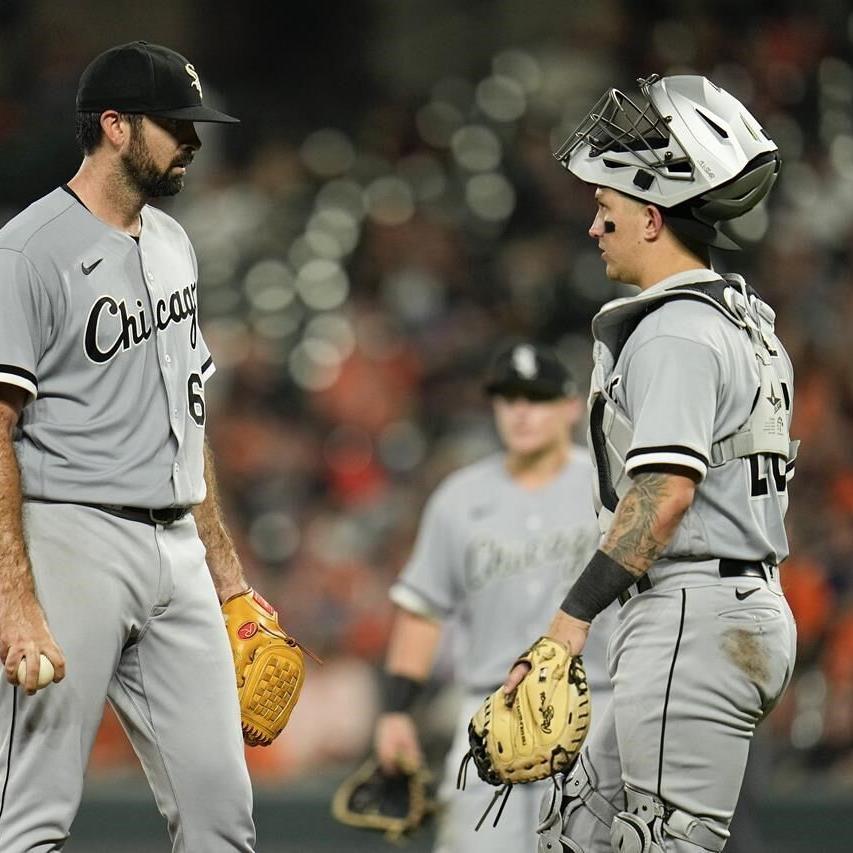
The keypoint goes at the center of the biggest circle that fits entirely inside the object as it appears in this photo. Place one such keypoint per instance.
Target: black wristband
(601, 582)
(399, 693)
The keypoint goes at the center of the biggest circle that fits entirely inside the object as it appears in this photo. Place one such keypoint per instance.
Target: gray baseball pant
(134, 610)
(694, 668)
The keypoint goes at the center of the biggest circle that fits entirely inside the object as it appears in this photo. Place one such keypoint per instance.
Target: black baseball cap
(531, 370)
(145, 78)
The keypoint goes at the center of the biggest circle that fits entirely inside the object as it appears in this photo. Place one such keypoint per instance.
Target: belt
(727, 569)
(164, 516)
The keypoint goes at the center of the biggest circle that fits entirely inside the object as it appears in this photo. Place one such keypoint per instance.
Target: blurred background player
(500, 540)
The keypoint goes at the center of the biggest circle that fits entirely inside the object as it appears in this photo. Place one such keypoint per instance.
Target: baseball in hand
(45, 671)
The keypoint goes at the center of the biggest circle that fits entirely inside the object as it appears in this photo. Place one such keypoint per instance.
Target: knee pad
(550, 828)
(638, 828)
(631, 834)
(571, 793)
(647, 821)
(560, 845)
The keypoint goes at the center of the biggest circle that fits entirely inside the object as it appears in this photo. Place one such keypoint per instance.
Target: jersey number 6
(195, 398)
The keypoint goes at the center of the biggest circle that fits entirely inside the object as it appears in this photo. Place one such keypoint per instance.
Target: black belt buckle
(167, 515)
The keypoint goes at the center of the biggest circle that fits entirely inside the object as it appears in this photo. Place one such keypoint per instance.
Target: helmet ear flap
(742, 193)
(697, 222)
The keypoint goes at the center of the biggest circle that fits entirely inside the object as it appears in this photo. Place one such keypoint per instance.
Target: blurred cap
(529, 370)
(145, 78)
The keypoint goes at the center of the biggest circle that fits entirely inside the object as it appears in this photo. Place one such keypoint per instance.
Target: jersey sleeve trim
(208, 368)
(415, 602)
(10, 374)
(669, 454)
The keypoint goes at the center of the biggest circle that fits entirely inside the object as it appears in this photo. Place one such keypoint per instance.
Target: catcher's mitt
(395, 805)
(269, 666)
(541, 733)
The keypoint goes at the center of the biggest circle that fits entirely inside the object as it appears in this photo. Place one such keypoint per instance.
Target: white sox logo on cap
(194, 74)
(524, 361)
(145, 78)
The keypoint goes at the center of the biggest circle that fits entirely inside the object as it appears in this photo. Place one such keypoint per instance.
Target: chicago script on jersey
(134, 327)
(488, 559)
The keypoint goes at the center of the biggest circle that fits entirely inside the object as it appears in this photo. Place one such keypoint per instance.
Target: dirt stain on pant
(746, 651)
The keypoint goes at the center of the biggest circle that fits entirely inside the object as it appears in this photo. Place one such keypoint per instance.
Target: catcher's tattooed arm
(645, 521)
(647, 517)
(24, 632)
(222, 559)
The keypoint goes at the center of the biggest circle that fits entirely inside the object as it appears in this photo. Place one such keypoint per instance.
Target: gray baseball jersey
(499, 558)
(686, 378)
(102, 331)
(705, 644)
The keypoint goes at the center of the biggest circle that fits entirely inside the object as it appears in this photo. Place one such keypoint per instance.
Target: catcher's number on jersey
(759, 485)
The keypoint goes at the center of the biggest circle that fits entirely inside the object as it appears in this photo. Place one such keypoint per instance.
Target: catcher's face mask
(618, 125)
(682, 143)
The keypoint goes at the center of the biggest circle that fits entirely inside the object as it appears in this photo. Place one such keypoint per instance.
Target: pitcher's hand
(24, 634)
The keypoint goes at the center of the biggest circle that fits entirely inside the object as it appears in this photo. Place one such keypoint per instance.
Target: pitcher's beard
(142, 173)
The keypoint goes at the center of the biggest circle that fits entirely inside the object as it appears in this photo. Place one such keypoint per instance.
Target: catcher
(691, 398)
(498, 541)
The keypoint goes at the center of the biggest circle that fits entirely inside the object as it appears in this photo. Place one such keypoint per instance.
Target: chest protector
(610, 430)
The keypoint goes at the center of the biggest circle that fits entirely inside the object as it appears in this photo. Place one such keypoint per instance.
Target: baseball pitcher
(114, 558)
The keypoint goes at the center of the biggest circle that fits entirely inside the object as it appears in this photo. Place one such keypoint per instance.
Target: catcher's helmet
(684, 144)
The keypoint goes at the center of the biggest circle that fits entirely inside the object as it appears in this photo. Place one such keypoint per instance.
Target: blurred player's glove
(269, 666)
(541, 732)
(395, 805)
